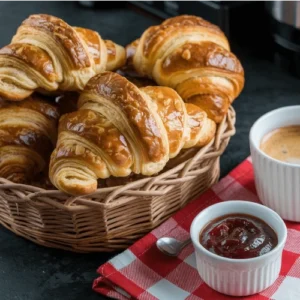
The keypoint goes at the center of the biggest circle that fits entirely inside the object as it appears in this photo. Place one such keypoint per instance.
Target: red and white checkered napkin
(143, 272)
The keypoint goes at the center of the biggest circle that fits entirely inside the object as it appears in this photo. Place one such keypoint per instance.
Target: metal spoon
(171, 246)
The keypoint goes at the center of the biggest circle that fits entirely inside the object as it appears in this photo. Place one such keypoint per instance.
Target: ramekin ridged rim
(261, 119)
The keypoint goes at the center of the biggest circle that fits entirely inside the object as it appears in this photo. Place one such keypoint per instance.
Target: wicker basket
(112, 218)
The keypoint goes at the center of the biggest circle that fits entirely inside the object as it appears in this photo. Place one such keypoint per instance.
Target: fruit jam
(238, 236)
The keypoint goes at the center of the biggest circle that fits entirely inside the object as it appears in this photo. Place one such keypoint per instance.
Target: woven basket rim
(115, 217)
(142, 187)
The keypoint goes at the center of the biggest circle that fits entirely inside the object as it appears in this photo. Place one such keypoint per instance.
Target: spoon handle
(185, 243)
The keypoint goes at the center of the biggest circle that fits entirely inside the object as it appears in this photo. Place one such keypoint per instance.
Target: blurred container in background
(242, 20)
(285, 31)
(103, 4)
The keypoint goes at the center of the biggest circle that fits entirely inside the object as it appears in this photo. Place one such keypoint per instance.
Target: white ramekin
(238, 277)
(277, 183)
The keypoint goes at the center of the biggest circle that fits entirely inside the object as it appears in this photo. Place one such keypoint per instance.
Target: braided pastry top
(48, 54)
(192, 56)
(121, 129)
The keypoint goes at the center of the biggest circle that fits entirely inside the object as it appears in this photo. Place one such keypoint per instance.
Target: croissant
(28, 131)
(120, 129)
(193, 57)
(47, 54)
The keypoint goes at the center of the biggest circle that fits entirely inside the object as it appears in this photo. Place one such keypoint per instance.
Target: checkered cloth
(143, 272)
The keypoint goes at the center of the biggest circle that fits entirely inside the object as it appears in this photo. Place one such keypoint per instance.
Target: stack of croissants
(66, 115)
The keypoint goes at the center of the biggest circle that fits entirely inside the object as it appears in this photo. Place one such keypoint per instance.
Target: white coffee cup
(238, 277)
(277, 182)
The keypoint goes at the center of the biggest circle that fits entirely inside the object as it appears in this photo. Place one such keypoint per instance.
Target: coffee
(283, 144)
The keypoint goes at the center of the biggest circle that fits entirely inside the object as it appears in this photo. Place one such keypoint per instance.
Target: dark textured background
(28, 271)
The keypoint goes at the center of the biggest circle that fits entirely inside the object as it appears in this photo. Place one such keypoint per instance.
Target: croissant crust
(121, 129)
(27, 138)
(47, 54)
(193, 57)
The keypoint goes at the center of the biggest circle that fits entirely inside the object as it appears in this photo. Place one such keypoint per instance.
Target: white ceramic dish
(277, 182)
(238, 277)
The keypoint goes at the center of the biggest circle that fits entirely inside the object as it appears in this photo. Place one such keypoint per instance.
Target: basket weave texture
(114, 217)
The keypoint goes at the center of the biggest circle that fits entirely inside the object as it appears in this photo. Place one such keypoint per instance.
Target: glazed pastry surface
(28, 132)
(121, 129)
(48, 54)
(193, 57)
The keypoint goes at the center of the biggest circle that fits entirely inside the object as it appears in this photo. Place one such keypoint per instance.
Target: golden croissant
(28, 131)
(47, 54)
(192, 56)
(121, 129)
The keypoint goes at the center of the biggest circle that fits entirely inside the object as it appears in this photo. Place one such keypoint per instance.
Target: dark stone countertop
(32, 272)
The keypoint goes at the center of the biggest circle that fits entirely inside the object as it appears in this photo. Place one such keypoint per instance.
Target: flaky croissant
(28, 131)
(121, 129)
(48, 54)
(192, 56)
